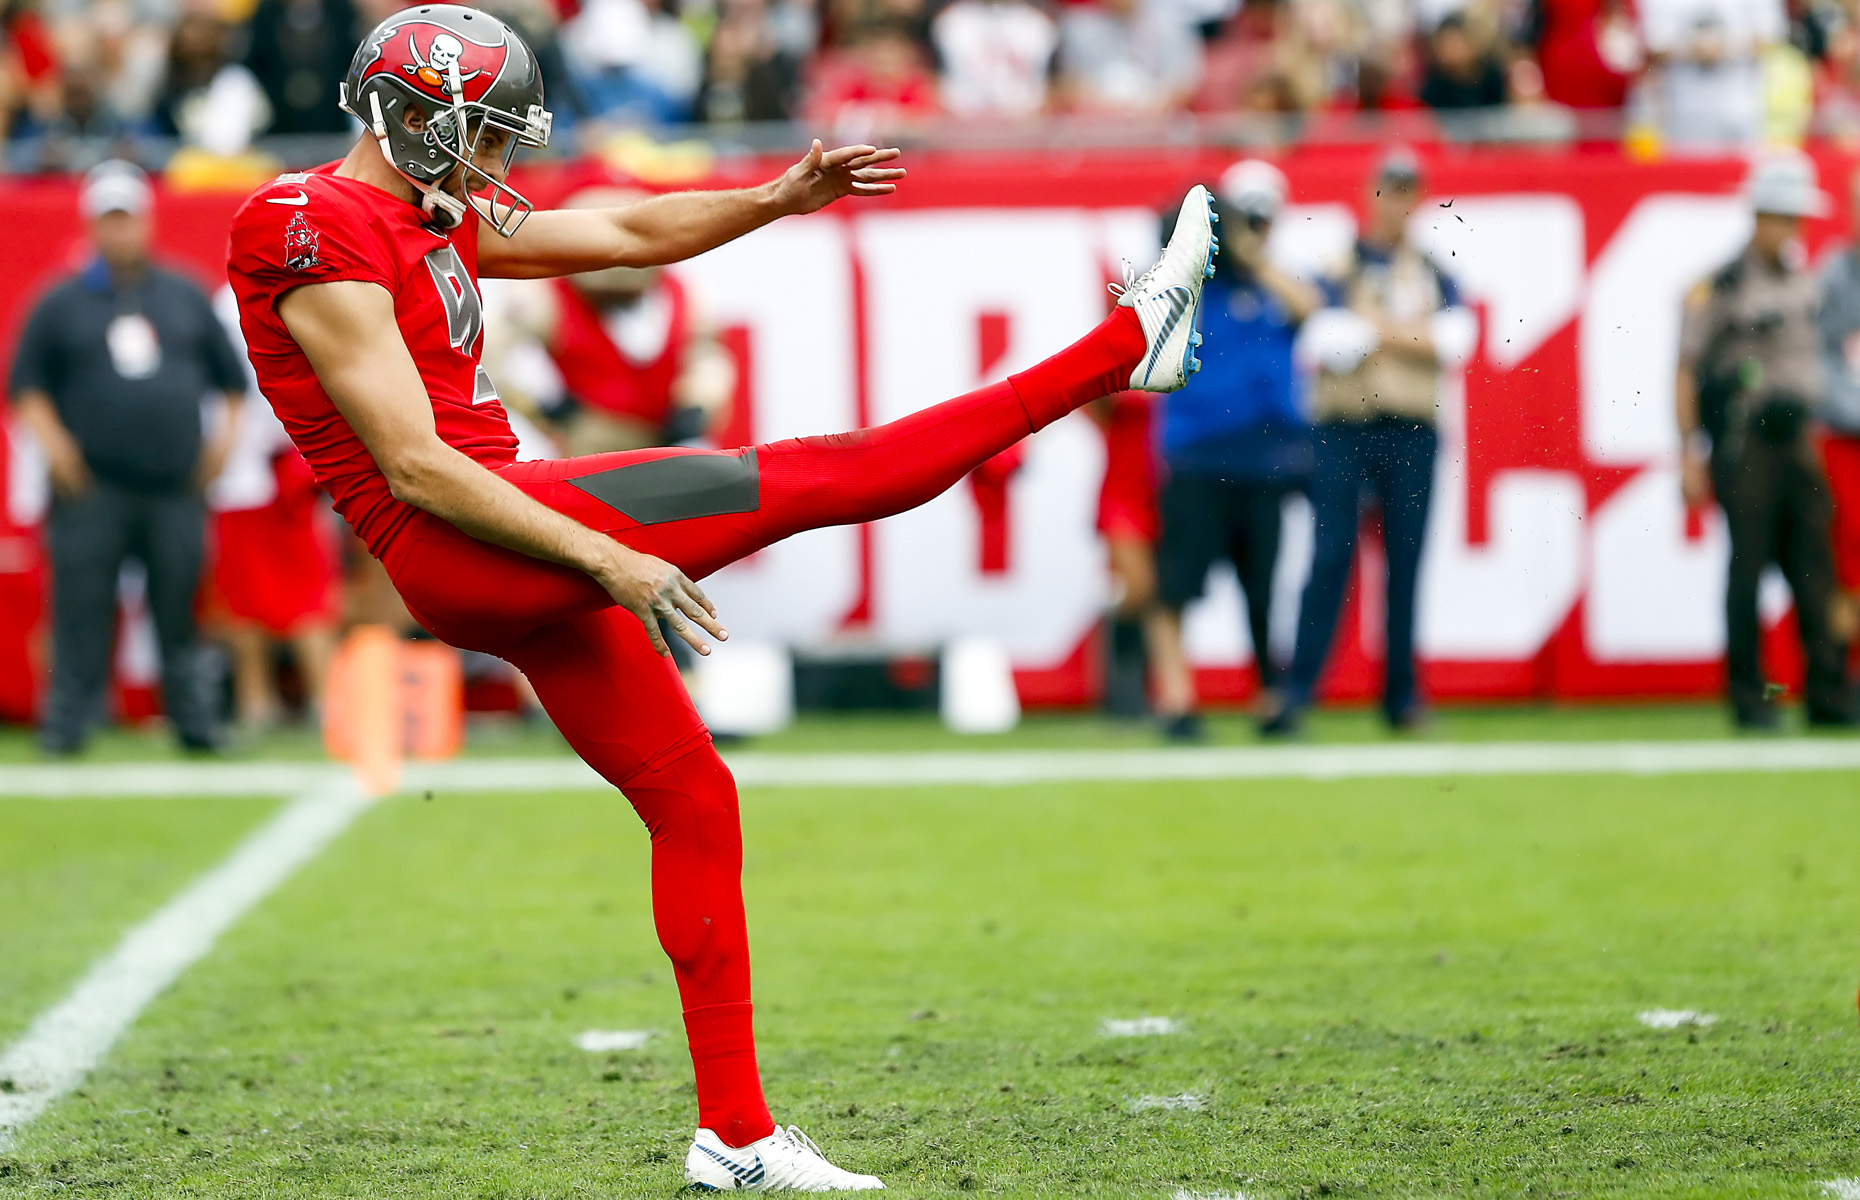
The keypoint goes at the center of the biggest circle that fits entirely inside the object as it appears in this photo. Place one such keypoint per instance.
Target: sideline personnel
(1236, 441)
(1750, 378)
(109, 376)
(1840, 412)
(1394, 326)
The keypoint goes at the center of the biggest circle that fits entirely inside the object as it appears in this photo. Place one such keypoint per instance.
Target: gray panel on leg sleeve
(679, 487)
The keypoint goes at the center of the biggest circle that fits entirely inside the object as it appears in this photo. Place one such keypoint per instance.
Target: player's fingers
(668, 611)
(650, 620)
(692, 638)
(878, 174)
(690, 635)
(876, 157)
(697, 593)
(845, 155)
(874, 189)
(706, 620)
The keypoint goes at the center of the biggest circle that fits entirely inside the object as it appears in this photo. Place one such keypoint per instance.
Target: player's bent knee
(692, 796)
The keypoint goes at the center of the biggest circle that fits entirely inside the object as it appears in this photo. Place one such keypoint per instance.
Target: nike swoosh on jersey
(299, 198)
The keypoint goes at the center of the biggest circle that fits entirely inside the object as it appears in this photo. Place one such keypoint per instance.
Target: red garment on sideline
(598, 373)
(1840, 453)
(1127, 501)
(275, 566)
(1570, 55)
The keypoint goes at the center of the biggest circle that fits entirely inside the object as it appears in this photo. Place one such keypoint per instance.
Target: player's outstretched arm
(670, 228)
(348, 332)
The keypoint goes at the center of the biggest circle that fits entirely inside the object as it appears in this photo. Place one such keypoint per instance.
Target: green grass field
(1383, 988)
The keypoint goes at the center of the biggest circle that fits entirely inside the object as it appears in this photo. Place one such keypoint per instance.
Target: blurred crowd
(1687, 74)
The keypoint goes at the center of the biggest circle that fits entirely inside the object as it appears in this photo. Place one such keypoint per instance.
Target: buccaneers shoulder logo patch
(299, 244)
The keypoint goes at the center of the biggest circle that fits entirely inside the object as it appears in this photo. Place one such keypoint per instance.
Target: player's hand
(1694, 480)
(213, 458)
(826, 175)
(65, 463)
(654, 590)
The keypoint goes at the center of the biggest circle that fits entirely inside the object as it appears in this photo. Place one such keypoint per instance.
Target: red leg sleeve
(846, 478)
(689, 805)
(627, 714)
(624, 709)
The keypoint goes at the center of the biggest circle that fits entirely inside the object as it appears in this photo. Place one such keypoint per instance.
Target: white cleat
(1167, 297)
(784, 1161)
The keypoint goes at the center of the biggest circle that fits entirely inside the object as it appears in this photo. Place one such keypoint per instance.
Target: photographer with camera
(1393, 329)
(1750, 378)
(1235, 441)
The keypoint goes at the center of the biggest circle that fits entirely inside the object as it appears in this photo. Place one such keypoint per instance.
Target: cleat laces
(1133, 282)
(801, 1141)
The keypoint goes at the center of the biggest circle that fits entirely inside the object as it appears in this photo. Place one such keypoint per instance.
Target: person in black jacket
(109, 377)
(1461, 73)
(300, 50)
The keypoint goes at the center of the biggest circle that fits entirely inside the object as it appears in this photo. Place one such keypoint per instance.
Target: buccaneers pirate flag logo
(424, 54)
(300, 244)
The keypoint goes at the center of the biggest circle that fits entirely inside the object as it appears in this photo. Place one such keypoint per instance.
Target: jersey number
(464, 313)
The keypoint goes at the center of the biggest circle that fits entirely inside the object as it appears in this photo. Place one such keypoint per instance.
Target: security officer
(1840, 411)
(1750, 377)
(109, 376)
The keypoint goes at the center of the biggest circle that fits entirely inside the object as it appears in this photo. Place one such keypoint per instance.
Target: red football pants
(623, 708)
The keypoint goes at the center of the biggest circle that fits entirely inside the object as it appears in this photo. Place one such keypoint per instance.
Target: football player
(358, 297)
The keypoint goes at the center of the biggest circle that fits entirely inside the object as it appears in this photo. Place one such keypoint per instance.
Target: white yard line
(1295, 762)
(70, 1039)
(995, 767)
(1009, 767)
(166, 779)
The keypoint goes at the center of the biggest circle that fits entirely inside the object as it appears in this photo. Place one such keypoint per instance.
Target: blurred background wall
(1560, 562)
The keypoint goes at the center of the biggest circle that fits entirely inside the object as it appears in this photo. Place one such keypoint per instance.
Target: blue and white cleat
(1167, 297)
(785, 1161)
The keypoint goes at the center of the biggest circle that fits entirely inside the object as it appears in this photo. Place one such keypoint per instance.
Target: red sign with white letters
(1561, 561)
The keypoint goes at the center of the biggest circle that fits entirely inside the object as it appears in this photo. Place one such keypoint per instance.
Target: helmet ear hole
(442, 129)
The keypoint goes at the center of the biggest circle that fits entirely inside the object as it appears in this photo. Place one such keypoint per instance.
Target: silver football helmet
(463, 71)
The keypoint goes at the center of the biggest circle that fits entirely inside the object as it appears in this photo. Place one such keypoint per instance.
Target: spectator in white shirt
(1707, 80)
(996, 55)
(1133, 56)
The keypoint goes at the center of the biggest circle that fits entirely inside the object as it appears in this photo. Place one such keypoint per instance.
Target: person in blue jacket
(1235, 441)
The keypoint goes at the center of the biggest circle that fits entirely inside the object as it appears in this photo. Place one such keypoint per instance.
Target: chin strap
(443, 210)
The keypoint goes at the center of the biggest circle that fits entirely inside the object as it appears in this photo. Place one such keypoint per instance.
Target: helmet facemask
(456, 133)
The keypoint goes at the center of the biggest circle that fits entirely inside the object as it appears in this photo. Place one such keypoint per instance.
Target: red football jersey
(319, 227)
